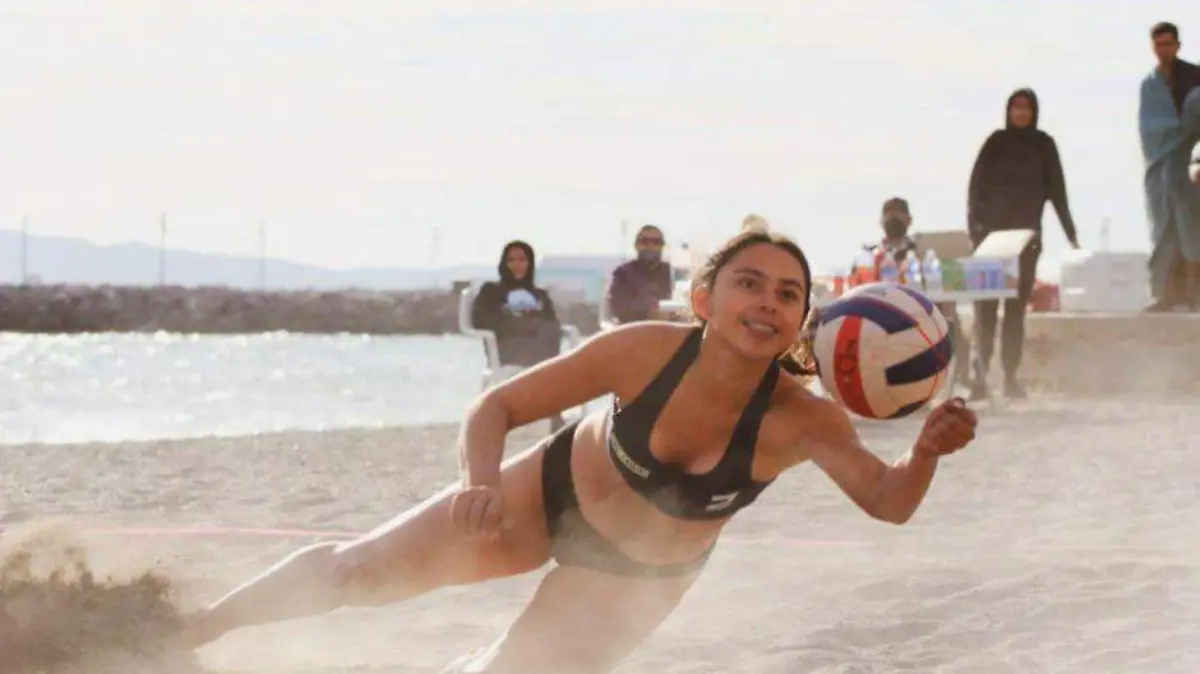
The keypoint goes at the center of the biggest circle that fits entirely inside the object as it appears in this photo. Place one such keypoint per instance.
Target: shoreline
(349, 434)
(233, 435)
(1039, 402)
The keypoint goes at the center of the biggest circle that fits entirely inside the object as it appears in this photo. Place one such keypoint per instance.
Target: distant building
(585, 277)
(577, 277)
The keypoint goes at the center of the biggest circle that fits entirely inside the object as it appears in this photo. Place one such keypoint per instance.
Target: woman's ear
(701, 302)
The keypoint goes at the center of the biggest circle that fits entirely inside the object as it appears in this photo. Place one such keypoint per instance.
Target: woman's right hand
(479, 511)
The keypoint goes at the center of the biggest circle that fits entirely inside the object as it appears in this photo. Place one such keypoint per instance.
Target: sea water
(111, 387)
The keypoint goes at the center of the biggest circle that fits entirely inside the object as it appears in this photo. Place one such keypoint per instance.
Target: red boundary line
(262, 532)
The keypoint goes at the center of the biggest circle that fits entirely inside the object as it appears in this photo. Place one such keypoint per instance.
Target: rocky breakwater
(72, 309)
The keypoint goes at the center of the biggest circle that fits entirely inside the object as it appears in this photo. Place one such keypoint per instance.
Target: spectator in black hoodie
(1017, 171)
(521, 314)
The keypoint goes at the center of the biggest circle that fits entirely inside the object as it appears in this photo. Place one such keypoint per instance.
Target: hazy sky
(352, 128)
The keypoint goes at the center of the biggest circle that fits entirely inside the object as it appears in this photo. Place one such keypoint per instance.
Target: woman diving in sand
(629, 502)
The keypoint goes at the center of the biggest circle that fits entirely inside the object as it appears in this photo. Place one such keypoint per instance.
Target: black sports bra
(720, 492)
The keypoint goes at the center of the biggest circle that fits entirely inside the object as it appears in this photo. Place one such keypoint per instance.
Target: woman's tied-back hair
(755, 222)
(797, 360)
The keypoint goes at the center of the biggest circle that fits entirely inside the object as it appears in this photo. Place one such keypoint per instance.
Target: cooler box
(1044, 297)
(1104, 282)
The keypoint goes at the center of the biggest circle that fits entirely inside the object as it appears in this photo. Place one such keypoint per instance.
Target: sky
(413, 133)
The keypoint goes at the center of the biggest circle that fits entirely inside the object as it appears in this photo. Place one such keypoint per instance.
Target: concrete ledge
(1107, 354)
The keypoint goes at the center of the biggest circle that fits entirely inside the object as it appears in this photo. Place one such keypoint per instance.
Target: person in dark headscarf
(520, 313)
(1017, 171)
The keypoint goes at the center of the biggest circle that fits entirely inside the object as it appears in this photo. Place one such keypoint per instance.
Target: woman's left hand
(1194, 172)
(948, 428)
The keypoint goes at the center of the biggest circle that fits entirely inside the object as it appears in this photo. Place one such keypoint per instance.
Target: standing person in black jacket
(1017, 171)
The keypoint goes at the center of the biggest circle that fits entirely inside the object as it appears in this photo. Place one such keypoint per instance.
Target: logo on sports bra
(722, 501)
(619, 452)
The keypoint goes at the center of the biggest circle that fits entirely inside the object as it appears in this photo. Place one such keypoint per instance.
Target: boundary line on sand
(202, 531)
(210, 531)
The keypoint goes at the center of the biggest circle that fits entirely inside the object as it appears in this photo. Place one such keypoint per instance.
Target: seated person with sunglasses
(637, 286)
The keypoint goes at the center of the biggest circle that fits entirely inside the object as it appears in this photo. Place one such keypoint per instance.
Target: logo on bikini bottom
(722, 501)
(619, 452)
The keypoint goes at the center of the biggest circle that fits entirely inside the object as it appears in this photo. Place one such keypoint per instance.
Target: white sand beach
(1064, 540)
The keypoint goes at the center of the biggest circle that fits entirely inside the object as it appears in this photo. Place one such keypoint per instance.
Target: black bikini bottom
(574, 541)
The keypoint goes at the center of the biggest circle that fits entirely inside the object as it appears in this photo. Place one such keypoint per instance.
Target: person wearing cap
(896, 219)
(896, 242)
(637, 286)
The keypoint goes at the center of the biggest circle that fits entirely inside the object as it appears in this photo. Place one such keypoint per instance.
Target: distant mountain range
(77, 261)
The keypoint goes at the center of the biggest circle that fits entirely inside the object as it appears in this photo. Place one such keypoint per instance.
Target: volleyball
(882, 350)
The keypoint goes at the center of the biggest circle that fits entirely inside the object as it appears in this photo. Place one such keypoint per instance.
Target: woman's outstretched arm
(890, 493)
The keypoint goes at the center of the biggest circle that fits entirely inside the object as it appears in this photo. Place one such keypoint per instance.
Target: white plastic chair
(493, 372)
(605, 313)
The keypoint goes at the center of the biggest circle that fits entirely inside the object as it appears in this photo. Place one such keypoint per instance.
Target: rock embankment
(70, 309)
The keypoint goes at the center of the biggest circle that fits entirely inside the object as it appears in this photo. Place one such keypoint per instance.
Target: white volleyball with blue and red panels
(883, 350)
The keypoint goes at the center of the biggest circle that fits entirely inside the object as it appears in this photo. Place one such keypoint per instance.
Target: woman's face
(517, 262)
(1020, 113)
(757, 302)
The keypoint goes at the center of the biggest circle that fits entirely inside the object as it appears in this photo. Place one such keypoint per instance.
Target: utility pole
(25, 250)
(1105, 227)
(435, 255)
(262, 256)
(162, 248)
(622, 246)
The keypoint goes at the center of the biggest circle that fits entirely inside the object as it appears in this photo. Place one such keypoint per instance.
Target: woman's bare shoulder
(633, 347)
(804, 416)
(647, 336)
(651, 329)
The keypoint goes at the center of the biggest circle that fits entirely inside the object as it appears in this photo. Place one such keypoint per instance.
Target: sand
(1063, 540)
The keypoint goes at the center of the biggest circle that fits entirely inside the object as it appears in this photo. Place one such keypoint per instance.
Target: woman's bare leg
(418, 551)
(580, 621)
